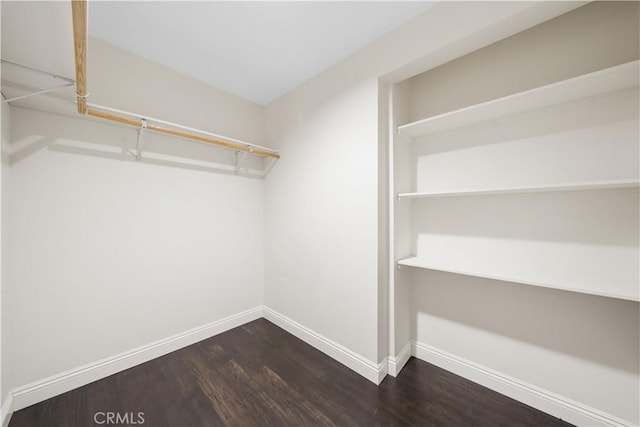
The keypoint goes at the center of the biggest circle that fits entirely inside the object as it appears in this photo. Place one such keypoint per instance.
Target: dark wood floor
(258, 374)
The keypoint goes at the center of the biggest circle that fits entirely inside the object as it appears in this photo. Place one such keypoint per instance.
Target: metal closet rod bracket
(68, 82)
(143, 127)
(240, 162)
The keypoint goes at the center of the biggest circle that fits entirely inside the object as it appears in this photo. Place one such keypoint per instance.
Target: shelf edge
(598, 185)
(628, 70)
(413, 262)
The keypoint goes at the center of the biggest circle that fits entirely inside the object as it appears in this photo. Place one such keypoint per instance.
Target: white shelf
(588, 85)
(594, 185)
(530, 279)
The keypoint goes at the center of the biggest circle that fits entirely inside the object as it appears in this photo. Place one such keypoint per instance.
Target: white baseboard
(66, 381)
(7, 410)
(383, 370)
(397, 363)
(551, 403)
(374, 372)
(546, 401)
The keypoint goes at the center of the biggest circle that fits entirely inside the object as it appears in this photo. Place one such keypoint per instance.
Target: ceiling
(256, 50)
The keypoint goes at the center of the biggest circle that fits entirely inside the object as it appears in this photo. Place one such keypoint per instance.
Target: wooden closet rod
(79, 13)
(258, 151)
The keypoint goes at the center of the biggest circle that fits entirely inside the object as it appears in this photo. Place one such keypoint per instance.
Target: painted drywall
(583, 347)
(4, 134)
(590, 38)
(401, 180)
(108, 254)
(38, 33)
(165, 244)
(120, 79)
(384, 247)
(576, 345)
(4, 162)
(321, 213)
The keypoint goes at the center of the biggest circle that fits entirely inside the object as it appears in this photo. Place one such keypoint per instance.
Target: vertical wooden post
(79, 13)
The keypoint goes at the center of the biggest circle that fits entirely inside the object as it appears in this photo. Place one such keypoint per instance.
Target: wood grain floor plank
(260, 375)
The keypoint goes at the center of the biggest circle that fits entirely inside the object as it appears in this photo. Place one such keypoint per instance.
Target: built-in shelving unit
(594, 185)
(609, 80)
(596, 153)
(514, 209)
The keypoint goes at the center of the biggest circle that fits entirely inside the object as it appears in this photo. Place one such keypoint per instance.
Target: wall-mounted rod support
(143, 127)
(271, 163)
(79, 12)
(40, 92)
(240, 162)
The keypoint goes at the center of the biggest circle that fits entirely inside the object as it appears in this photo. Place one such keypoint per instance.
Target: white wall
(120, 79)
(108, 254)
(403, 179)
(592, 37)
(579, 346)
(384, 249)
(4, 162)
(4, 134)
(321, 219)
(322, 206)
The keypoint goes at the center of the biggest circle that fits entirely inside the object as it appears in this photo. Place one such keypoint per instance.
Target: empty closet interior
(463, 189)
